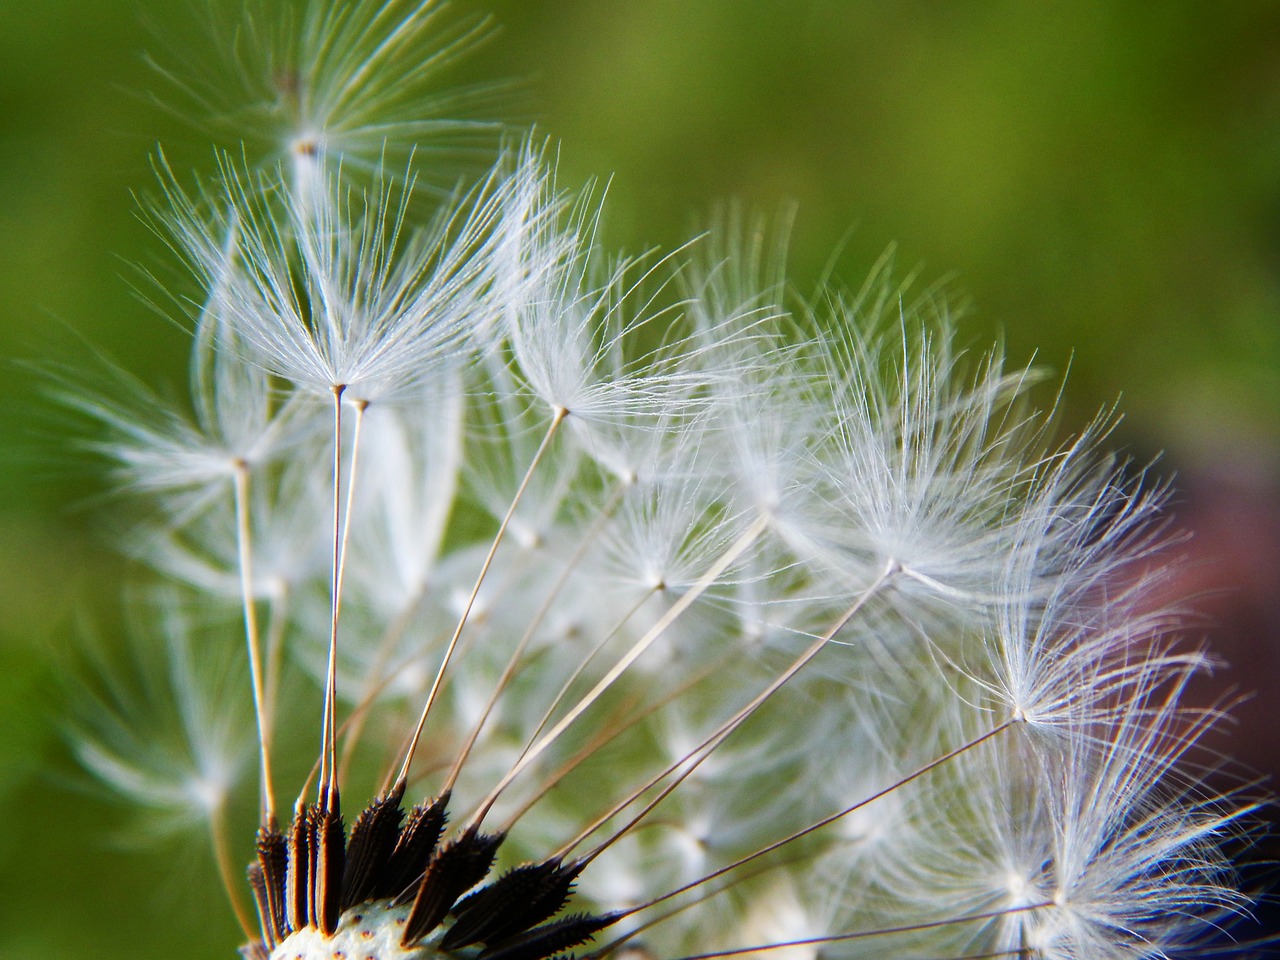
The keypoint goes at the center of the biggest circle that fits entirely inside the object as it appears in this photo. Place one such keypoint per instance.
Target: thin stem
(709, 745)
(517, 655)
(581, 668)
(361, 406)
(557, 419)
(818, 825)
(341, 559)
(639, 929)
(609, 734)
(726, 560)
(328, 784)
(881, 932)
(276, 626)
(230, 875)
(244, 548)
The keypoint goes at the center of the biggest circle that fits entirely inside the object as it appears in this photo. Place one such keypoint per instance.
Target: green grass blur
(1101, 178)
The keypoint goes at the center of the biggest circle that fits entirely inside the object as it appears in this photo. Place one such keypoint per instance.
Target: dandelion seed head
(641, 593)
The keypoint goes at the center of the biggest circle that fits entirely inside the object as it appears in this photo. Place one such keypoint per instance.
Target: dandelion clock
(552, 602)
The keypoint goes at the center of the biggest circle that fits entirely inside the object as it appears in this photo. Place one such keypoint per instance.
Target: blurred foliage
(1102, 178)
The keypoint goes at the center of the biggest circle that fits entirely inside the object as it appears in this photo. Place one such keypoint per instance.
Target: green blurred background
(1101, 178)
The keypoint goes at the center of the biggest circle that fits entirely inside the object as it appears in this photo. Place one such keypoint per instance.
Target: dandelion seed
(305, 85)
(336, 290)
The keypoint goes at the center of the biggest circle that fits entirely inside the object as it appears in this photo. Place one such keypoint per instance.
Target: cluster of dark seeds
(307, 876)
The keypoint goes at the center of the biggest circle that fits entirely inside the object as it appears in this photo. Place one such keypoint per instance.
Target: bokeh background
(1101, 179)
